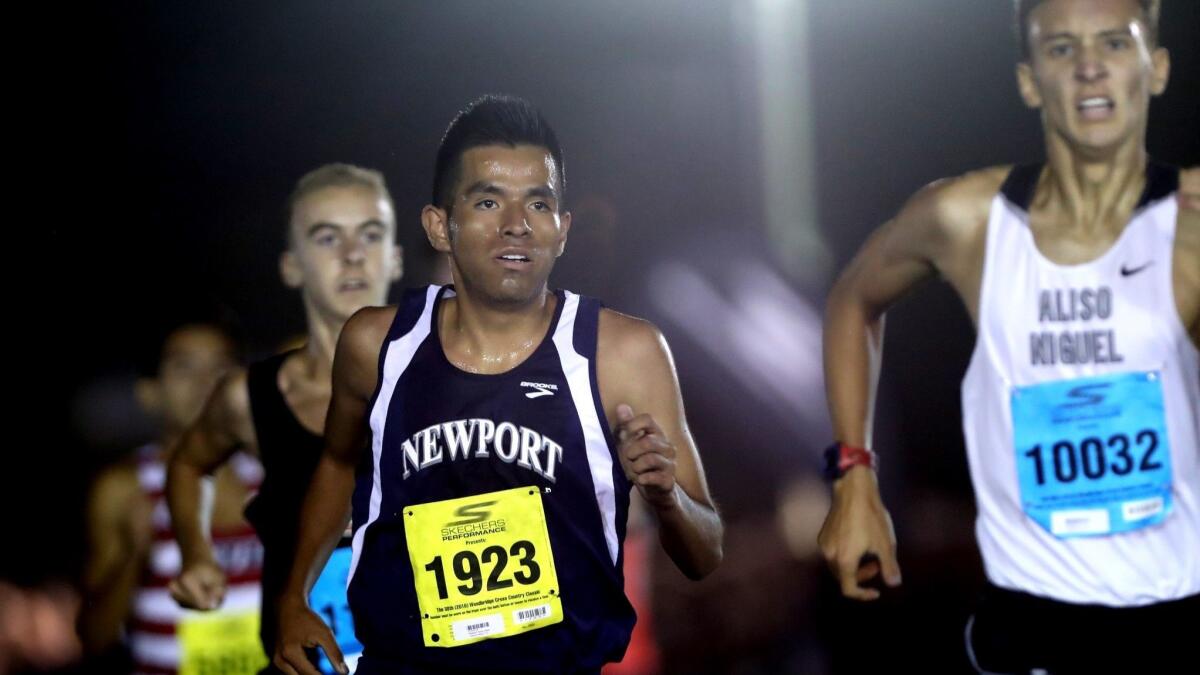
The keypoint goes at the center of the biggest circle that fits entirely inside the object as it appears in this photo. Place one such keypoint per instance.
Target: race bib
(1092, 453)
(220, 643)
(482, 566)
(328, 600)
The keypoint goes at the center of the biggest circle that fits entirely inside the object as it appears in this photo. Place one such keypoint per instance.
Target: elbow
(847, 299)
(710, 563)
(708, 560)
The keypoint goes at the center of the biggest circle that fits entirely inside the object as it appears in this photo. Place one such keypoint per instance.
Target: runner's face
(343, 254)
(1092, 71)
(505, 229)
(194, 358)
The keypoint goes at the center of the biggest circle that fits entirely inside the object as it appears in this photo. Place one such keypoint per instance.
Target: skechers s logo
(472, 513)
(539, 389)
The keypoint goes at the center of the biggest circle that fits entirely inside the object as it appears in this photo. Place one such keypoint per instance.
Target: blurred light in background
(785, 94)
(756, 330)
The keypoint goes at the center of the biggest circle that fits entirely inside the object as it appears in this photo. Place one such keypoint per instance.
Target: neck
(323, 332)
(1092, 192)
(494, 336)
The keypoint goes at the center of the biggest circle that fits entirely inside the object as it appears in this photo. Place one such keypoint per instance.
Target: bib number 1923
(469, 568)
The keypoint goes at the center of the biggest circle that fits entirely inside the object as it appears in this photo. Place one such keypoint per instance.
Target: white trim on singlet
(577, 371)
(399, 355)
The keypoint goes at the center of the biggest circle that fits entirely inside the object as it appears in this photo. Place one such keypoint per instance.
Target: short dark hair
(187, 311)
(492, 120)
(1150, 11)
(337, 174)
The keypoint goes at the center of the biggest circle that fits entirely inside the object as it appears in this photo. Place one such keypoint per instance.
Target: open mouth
(352, 285)
(514, 258)
(1095, 107)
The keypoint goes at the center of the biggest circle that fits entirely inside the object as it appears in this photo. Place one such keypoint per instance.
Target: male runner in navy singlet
(502, 425)
(1081, 404)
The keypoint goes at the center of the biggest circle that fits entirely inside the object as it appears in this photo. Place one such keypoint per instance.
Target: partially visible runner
(132, 551)
(1081, 404)
(341, 255)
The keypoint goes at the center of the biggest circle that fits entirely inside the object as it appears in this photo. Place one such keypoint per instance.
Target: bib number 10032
(1093, 457)
(469, 568)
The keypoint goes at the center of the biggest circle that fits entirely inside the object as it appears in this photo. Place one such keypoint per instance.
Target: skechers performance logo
(539, 389)
(476, 522)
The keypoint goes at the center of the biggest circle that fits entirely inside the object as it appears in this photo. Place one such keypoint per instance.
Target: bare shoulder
(1187, 232)
(958, 206)
(637, 341)
(116, 490)
(355, 364)
(230, 402)
(369, 325)
(1189, 193)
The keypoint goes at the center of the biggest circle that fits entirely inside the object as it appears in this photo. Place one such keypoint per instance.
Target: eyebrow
(316, 227)
(1063, 35)
(484, 187)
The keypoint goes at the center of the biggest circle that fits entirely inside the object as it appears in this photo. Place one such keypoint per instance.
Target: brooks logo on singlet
(475, 439)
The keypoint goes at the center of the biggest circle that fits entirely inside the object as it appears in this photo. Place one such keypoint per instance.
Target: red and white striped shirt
(161, 633)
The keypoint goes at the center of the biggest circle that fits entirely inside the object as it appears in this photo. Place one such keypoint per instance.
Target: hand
(858, 527)
(301, 628)
(647, 457)
(200, 585)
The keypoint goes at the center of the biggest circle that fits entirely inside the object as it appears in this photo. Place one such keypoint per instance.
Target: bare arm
(1186, 263)
(118, 522)
(326, 508)
(939, 232)
(640, 393)
(222, 429)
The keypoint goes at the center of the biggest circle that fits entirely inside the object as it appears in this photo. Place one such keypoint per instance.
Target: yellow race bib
(220, 643)
(483, 566)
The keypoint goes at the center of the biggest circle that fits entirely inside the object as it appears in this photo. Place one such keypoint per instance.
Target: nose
(1089, 66)
(353, 251)
(513, 222)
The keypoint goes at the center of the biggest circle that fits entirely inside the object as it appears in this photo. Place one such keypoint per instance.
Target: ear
(149, 395)
(564, 226)
(397, 262)
(1027, 84)
(289, 270)
(437, 227)
(1160, 62)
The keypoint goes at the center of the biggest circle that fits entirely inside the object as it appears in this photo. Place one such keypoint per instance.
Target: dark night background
(168, 134)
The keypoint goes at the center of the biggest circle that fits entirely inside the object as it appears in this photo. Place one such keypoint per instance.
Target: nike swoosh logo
(539, 392)
(1128, 271)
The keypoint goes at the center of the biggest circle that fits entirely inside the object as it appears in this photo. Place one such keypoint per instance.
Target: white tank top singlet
(1081, 411)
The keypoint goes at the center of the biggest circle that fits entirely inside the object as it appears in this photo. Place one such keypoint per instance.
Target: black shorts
(1013, 632)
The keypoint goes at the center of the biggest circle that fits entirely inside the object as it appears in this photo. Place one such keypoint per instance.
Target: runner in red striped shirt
(132, 552)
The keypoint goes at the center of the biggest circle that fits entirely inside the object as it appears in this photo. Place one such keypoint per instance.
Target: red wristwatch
(839, 458)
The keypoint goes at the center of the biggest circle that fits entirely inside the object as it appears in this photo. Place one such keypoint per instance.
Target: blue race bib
(328, 600)
(1092, 453)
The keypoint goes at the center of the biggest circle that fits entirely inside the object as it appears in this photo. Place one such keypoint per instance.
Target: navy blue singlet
(552, 398)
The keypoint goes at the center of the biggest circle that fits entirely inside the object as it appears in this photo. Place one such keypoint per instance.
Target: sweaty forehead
(520, 166)
(1082, 17)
